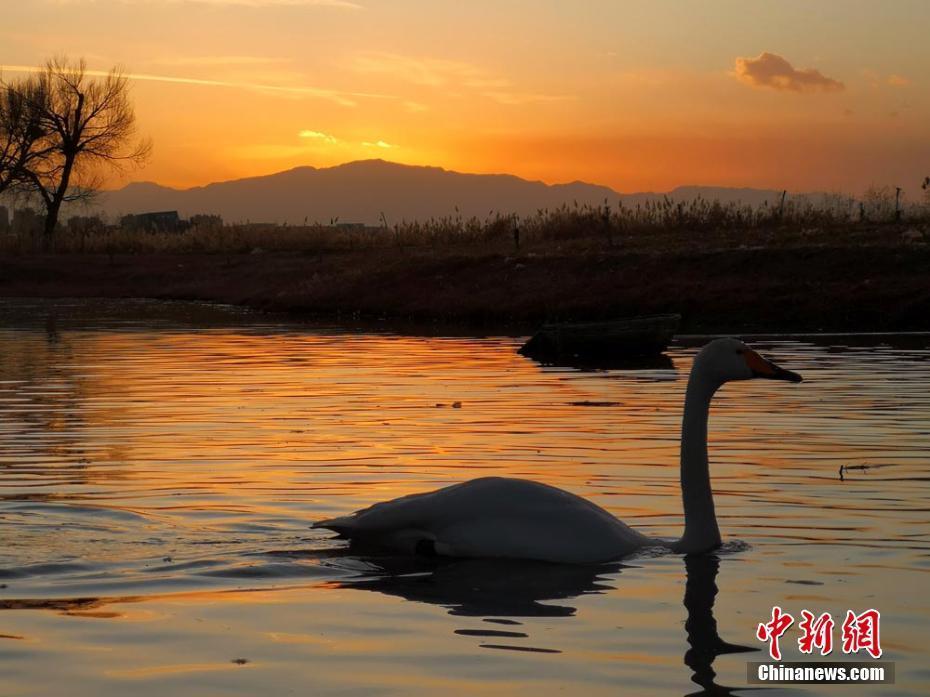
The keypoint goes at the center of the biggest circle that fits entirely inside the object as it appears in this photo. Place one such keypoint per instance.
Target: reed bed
(648, 226)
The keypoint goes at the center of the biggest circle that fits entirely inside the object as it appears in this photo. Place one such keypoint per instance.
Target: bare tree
(21, 108)
(89, 125)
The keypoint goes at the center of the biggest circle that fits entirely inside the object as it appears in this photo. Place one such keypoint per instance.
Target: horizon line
(477, 174)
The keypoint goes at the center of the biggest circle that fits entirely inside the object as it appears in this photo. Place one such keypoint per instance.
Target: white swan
(521, 519)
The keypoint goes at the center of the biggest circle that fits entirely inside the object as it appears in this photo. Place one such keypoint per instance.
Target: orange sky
(636, 95)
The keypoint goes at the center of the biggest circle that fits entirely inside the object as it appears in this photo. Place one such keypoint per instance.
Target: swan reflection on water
(701, 627)
(487, 587)
(499, 589)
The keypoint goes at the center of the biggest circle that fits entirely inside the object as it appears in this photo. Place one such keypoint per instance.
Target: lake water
(160, 466)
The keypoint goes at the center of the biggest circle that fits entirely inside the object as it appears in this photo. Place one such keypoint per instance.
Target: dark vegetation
(652, 226)
(723, 268)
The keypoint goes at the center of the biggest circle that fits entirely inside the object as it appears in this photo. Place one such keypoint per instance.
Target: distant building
(159, 221)
(4, 220)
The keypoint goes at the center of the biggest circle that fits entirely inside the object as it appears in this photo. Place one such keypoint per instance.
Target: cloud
(343, 4)
(515, 98)
(454, 78)
(342, 98)
(319, 135)
(649, 77)
(329, 139)
(415, 107)
(430, 72)
(877, 80)
(771, 70)
(218, 61)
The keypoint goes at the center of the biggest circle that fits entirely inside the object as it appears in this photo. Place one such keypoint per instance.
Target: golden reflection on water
(154, 471)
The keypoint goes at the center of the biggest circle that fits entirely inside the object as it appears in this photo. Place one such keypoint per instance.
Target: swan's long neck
(701, 531)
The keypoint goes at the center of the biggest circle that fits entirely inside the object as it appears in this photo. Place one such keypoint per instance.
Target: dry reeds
(651, 225)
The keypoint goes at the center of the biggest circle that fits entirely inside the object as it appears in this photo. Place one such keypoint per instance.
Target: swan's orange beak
(761, 368)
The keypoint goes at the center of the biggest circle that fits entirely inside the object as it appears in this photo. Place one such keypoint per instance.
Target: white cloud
(329, 139)
(319, 135)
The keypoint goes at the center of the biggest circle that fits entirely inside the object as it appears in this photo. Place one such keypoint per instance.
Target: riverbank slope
(768, 288)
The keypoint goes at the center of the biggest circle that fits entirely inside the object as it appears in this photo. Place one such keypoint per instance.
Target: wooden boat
(627, 338)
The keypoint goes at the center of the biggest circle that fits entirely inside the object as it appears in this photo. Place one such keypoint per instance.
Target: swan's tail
(403, 540)
(343, 524)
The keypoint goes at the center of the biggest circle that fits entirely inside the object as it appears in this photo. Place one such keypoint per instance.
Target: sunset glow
(634, 95)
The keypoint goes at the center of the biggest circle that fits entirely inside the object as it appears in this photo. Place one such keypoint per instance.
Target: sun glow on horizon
(615, 94)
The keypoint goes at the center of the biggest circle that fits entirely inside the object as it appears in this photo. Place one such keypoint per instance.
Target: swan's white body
(494, 517)
(520, 519)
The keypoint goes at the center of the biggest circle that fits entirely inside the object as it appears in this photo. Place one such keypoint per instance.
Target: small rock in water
(456, 405)
(240, 661)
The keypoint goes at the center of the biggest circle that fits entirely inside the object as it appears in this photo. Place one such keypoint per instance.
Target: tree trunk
(51, 222)
(53, 204)
(70, 148)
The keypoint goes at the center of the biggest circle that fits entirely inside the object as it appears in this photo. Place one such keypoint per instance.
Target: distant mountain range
(363, 191)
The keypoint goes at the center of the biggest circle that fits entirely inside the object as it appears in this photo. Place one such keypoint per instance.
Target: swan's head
(724, 360)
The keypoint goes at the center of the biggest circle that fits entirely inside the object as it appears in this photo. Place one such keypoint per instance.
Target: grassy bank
(856, 278)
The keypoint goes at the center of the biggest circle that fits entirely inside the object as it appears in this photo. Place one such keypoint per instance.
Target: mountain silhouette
(360, 192)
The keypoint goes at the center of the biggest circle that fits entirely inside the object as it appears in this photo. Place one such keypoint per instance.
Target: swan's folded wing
(493, 517)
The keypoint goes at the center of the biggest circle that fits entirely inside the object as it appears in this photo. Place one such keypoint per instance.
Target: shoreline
(815, 289)
(216, 314)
